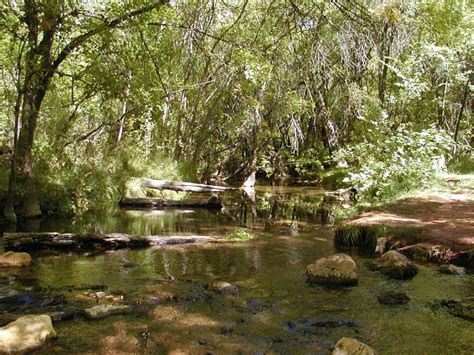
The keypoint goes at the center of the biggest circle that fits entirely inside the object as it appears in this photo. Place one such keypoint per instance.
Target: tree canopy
(96, 92)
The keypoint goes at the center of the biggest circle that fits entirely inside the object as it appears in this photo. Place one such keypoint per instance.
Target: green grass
(366, 236)
(462, 165)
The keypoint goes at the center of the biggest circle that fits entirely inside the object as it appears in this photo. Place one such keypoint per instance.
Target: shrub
(239, 235)
(390, 163)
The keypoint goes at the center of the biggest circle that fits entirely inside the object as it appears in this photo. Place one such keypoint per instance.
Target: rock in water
(105, 310)
(26, 333)
(11, 258)
(349, 346)
(224, 288)
(393, 298)
(395, 265)
(452, 269)
(337, 269)
(463, 308)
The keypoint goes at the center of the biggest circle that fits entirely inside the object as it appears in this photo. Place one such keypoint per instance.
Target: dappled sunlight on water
(274, 311)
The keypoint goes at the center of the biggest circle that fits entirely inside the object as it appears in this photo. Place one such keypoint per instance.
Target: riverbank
(435, 225)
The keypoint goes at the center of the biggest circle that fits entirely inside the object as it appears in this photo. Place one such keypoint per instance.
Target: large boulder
(105, 310)
(395, 265)
(338, 269)
(11, 258)
(26, 333)
(349, 346)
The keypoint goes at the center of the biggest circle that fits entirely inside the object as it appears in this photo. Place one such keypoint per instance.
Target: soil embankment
(435, 224)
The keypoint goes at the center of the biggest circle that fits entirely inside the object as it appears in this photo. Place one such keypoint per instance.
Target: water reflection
(274, 308)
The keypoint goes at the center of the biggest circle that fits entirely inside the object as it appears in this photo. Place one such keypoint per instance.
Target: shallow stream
(275, 311)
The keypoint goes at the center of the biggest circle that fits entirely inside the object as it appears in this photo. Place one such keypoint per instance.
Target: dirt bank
(441, 222)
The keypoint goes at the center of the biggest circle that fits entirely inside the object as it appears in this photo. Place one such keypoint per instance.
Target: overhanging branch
(79, 40)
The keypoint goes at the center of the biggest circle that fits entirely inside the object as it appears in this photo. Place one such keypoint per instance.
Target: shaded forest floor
(443, 215)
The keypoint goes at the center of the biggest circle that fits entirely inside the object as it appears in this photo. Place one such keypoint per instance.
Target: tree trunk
(183, 186)
(36, 80)
(124, 110)
(33, 97)
(40, 67)
(459, 116)
(9, 210)
(94, 241)
(251, 178)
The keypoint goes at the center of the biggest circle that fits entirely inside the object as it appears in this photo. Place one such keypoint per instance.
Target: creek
(274, 310)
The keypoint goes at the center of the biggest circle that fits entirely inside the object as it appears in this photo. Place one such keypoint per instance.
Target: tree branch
(79, 40)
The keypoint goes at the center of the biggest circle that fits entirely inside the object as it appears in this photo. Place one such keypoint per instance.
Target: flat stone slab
(105, 310)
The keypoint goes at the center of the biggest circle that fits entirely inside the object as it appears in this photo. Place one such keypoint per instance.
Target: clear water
(274, 309)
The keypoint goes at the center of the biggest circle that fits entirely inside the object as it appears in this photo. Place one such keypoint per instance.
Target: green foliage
(463, 164)
(390, 163)
(70, 186)
(197, 88)
(308, 164)
(365, 236)
(360, 236)
(239, 235)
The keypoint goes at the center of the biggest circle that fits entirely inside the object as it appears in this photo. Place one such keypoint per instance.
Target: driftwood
(344, 195)
(184, 186)
(212, 203)
(88, 241)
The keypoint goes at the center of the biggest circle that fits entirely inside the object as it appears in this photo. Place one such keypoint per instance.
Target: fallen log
(184, 186)
(88, 241)
(212, 203)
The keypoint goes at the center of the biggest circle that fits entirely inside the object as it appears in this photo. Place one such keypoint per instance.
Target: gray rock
(393, 298)
(395, 265)
(452, 269)
(349, 346)
(105, 310)
(26, 333)
(338, 269)
(223, 288)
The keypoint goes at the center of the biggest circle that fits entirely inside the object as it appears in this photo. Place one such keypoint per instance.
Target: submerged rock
(161, 297)
(338, 269)
(26, 333)
(61, 316)
(349, 346)
(452, 269)
(463, 308)
(395, 265)
(11, 258)
(105, 310)
(223, 288)
(393, 298)
(86, 287)
(338, 323)
(26, 303)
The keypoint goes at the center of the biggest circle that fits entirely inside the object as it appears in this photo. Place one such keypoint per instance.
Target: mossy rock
(463, 308)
